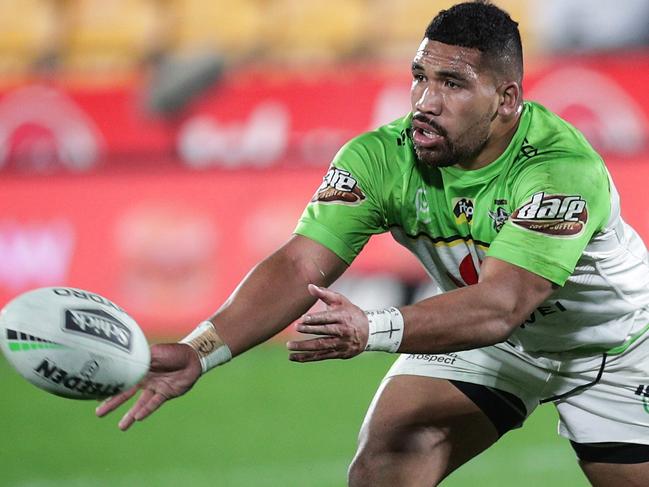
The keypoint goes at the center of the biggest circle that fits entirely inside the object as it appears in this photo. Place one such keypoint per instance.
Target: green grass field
(259, 421)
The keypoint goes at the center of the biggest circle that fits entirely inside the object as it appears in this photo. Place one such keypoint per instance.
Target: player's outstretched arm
(270, 297)
(471, 317)
(275, 293)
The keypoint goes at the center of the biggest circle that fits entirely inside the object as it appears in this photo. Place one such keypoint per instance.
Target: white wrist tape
(386, 330)
(208, 345)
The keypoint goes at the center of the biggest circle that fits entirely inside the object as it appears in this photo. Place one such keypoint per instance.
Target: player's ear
(510, 98)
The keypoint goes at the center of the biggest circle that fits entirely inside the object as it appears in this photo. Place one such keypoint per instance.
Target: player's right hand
(174, 369)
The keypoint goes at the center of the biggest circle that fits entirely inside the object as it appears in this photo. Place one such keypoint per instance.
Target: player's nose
(428, 101)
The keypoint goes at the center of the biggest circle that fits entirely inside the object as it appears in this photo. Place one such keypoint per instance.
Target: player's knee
(370, 469)
(358, 472)
(398, 458)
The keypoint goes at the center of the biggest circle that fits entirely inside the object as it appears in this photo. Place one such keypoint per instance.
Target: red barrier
(171, 247)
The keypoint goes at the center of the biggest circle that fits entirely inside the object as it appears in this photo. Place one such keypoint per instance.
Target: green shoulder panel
(350, 204)
(561, 196)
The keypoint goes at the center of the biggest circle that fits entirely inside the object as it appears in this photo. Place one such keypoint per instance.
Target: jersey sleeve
(558, 206)
(347, 208)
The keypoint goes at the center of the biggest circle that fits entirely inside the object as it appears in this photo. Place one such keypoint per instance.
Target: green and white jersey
(547, 204)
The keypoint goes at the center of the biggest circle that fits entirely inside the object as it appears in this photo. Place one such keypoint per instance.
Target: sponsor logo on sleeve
(339, 186)
(553, 214)
(99, 325)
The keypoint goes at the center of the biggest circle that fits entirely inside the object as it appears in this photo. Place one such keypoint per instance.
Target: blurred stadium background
(154, 150)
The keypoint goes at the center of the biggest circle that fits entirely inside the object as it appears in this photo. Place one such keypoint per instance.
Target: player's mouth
(425, 135)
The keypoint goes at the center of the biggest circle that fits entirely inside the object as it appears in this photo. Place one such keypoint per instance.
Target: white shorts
(599, 398)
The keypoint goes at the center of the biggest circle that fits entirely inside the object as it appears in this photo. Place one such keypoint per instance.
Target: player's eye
(449, 83)
(418, 77)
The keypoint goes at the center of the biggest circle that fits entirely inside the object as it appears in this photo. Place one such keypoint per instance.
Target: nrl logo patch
(339, 186)
(556, 214)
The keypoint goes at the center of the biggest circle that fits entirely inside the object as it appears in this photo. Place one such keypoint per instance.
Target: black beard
(445, 158)
(451, 154)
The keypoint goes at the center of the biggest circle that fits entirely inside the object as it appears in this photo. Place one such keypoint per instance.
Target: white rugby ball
(73, 343)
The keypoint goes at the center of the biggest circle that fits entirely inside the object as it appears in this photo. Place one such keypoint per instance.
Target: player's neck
(497, 143)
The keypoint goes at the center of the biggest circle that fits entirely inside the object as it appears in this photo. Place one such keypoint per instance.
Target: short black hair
(483, 26)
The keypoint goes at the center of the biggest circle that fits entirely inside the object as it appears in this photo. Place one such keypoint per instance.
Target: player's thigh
(417, 430)
(610, 464)
(615, 474)
(608, 422)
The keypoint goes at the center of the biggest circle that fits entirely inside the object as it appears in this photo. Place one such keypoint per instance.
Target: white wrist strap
(386, 330)
(208, 345)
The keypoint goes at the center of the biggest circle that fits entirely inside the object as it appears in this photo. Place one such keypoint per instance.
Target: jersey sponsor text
(339, 186)
(559, 215)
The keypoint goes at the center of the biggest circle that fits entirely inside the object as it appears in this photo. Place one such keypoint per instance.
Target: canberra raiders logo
(553, 214)
(499, 216)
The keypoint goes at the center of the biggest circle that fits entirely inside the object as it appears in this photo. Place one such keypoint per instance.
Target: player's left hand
(342, 329)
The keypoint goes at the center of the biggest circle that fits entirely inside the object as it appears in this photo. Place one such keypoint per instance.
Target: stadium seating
(231, 28)
(109, 35)
(314, 30)
(397, 27)
(27, 29)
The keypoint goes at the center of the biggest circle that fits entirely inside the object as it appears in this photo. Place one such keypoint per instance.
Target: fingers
(328, 297)
(148, 402)
(324, 348)
(321, 344)
(316, 348)
(315, 356)
(335, 330)
(323, 318)
(340, 330)
(114, 402)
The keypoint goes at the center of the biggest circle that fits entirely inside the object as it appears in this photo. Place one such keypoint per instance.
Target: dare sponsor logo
(339, 186)
(558, 215)
(100, 325)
